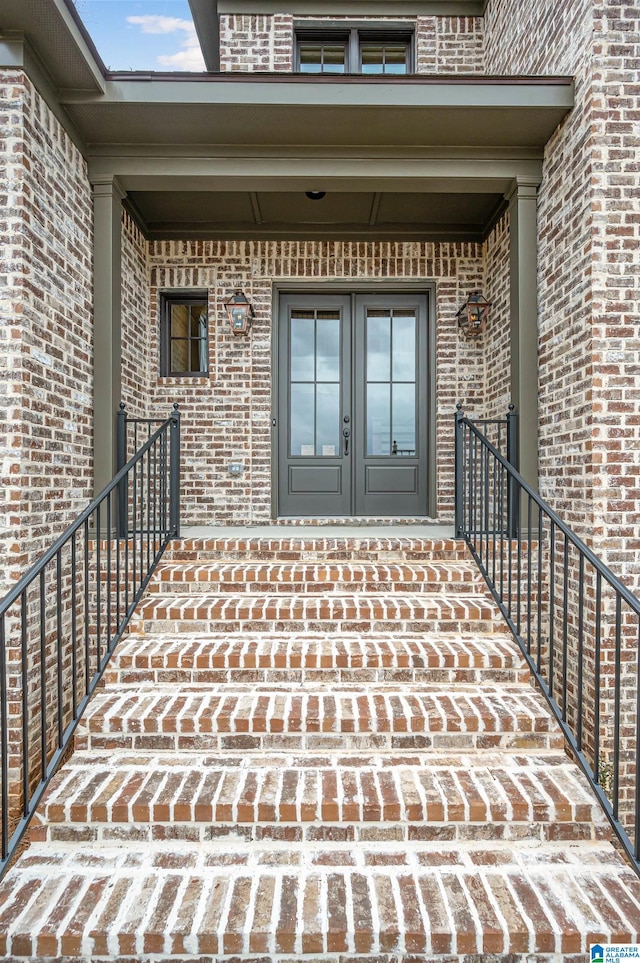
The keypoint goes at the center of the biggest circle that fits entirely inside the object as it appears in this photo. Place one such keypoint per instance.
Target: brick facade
(587, 290)
(256, 43)
(545, 39)
(45, 327)
(226, 416)
(136, 344)
(445, 45)
(589, 253)
(496, 341)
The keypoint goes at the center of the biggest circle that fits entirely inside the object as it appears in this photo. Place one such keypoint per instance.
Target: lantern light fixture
(472, 316)
(240, 312)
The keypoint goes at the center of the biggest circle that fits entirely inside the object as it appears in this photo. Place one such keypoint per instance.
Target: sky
(142, 34)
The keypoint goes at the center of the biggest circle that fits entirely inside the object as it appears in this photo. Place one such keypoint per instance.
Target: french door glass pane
(315, 383)
(378, 345)
(391, 382)
(403, 427)
(378, 419)
(328, 420)
(404, 348)
(328, 346)
(303, 346)
(302, 419)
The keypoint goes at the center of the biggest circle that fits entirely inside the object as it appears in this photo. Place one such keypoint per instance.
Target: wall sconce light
(472, 316)
(240, 313)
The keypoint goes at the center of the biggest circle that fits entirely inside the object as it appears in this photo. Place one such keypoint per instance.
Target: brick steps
(399, 799)
(322, 658)
(257, 577)
(339, 613)
(238, 900)
(319, 748)
(200, 717)
(318, 547)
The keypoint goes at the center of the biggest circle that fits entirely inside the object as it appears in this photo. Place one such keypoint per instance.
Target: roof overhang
(239, 150)
(275, 110)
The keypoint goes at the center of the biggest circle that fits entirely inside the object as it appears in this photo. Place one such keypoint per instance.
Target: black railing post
(459, 471)
(513, 494)
(174, 493)
(121, 456)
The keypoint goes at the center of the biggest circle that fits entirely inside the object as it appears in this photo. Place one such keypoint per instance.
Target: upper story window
(184, 343)
(334, 48)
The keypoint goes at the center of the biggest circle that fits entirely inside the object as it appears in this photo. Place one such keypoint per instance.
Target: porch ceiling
(231, 156)
(282, 214)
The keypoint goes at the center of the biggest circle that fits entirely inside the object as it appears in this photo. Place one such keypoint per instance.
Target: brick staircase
(321, 748)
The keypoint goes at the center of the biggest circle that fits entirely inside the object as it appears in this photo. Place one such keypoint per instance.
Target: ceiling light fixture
(315, 195)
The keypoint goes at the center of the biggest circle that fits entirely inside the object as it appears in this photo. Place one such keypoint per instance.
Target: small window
(323, 58)
(330, 48)
(384, 58)
(185, 337)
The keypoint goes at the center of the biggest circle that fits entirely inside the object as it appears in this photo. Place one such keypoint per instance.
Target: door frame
(359, 286)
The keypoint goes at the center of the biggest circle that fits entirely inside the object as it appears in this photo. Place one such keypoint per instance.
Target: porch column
(524, 322)
(107, 340)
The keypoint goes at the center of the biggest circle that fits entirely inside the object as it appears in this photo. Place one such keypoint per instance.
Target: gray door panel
(391, 418)
(314, 395)
(352, 410)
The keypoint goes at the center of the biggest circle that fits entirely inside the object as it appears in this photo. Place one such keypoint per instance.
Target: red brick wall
(497, 354)
(46, 313)
(555, 38)
(449, 45)
(255, 43)
(615, 280)
(137, 368)
(445, 45)
(226, 417)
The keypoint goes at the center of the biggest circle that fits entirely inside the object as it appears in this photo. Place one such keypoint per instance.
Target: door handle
(347, 434)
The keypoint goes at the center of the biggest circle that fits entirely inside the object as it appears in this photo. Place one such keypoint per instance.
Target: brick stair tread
(202, 708)
(264, 607)
(198, 790)
(252, 576)
(307, 547)
(318, 650)
(307, 659)
(232, 900)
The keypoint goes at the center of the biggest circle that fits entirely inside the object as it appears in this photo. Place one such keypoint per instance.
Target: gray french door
(352, 402)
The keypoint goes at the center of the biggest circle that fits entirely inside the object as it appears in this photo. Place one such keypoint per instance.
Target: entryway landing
(346, 526)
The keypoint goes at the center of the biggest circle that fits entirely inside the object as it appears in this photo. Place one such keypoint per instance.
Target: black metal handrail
(61, 622)
(577, 625)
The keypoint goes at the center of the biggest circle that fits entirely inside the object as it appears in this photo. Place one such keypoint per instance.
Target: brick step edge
(399, 794)
(403, 651)
(544, 900)
(118, 675)
(156, 831)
